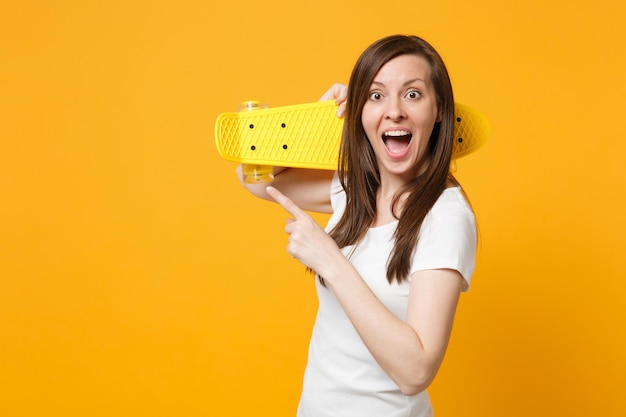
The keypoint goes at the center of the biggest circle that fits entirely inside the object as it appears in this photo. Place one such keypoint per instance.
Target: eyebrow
(408, 82)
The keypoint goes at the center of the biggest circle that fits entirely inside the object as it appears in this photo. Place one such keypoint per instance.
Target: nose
(395, 110)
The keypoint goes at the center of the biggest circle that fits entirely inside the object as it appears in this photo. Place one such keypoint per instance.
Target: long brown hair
(358, 170)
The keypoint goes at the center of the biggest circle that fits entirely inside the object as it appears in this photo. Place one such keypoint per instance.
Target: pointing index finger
(286, 203)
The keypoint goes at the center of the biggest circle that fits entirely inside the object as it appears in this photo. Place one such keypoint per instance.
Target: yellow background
(138, 279)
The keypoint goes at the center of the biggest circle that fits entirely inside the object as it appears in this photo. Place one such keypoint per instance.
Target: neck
(387, 191)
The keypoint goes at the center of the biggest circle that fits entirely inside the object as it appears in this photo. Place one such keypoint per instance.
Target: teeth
(396, 133)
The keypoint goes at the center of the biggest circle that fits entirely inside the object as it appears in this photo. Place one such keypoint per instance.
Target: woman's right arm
(309, 188)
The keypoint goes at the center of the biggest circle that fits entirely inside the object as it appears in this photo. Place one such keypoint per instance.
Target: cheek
(370, 114)
(370, 130)
(370, 141)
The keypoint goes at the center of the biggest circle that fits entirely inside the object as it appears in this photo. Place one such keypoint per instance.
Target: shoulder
(450, 216)
(448, 236)
(450, 211)
(452, 201)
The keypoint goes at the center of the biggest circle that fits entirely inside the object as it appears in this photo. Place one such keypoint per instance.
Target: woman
(400, 244)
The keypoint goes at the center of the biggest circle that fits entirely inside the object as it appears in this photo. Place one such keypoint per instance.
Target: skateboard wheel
(251, 105)
(253, 173)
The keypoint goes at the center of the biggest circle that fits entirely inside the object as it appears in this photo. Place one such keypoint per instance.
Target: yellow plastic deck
(308, 135)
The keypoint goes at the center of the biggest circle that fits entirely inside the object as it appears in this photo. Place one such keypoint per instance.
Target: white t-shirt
(342, 379)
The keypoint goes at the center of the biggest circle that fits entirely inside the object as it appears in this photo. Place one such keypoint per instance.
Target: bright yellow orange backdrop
(138, 279)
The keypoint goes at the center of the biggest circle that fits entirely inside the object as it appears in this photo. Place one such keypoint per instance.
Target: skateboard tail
(471, 130)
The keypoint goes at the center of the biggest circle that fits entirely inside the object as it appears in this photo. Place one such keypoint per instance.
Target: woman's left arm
(409, 351)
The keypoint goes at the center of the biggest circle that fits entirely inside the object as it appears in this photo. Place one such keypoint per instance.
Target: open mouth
(397, 141)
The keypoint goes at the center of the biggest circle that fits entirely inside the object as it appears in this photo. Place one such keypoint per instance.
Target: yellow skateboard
(308, 136)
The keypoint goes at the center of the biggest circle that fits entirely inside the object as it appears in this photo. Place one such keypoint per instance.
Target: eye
(413, 94)
(375, 96)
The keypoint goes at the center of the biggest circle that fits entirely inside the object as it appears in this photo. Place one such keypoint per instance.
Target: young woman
(399, 246)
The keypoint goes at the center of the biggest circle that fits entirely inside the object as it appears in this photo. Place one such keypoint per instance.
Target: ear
(439, 117)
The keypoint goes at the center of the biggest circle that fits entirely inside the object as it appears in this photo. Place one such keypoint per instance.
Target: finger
(341, 109)
(329, 94)
(286, 203)
(341, 92)
(337, 92)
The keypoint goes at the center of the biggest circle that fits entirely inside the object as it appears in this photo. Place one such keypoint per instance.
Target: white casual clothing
(342, 379)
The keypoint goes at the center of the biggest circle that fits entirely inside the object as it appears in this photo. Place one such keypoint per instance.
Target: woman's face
(399, 115)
